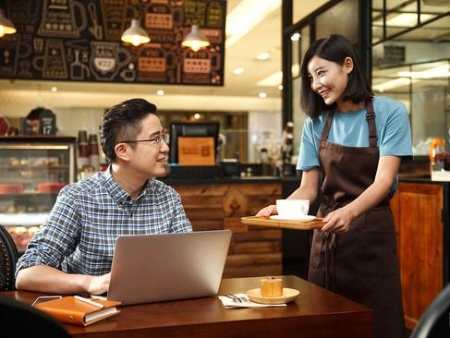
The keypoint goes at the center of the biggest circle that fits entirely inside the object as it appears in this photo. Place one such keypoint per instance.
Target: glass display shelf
(32, 172)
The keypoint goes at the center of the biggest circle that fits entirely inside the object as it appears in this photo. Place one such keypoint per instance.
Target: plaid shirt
(87, 217)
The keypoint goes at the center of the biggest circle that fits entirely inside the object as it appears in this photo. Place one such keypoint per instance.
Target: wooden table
(315, 313)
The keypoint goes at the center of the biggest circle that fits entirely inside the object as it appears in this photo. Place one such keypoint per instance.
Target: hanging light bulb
(135, 34)
(195, 39)
(6, 26)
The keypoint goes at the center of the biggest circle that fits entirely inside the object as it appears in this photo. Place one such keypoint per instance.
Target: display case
(33, 171)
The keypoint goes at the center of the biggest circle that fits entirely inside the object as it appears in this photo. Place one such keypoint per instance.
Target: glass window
(340, 19)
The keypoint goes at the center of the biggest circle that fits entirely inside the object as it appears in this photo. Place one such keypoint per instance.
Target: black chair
(22, 320)
(8, 260)
(435, 321)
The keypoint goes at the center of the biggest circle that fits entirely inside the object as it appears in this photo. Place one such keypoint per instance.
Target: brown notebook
(70, 310)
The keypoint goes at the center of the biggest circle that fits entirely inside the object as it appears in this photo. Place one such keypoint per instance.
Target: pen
(86, 300)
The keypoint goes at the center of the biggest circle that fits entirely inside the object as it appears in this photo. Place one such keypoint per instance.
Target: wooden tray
(284, 224)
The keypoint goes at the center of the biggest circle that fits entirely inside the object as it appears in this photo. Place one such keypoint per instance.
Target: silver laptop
(163, 267)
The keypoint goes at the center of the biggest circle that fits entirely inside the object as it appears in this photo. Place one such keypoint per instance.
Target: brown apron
(361, 264)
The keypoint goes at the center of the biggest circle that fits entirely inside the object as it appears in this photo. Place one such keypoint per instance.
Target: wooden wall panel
(417, 209)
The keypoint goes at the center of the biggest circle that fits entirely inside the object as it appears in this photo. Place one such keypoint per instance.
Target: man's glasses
(157, 140)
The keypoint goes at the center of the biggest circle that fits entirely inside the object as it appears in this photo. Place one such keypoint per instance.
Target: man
(73, 251)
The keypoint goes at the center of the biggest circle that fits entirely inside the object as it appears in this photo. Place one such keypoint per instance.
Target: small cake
(271, 287)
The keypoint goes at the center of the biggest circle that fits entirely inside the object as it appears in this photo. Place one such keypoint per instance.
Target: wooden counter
(421, 209)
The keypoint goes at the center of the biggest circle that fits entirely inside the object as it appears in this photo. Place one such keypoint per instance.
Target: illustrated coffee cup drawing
(292, 208)
(107, 59)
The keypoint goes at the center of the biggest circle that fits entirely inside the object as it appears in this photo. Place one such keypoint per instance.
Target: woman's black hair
(123, 122)
(334, 48)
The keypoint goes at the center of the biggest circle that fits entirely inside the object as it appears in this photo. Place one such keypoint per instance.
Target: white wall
(83, 111)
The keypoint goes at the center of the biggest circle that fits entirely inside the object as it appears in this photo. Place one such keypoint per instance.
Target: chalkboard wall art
(79, 40)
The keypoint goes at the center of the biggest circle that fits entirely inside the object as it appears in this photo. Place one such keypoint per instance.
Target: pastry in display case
(33, 171)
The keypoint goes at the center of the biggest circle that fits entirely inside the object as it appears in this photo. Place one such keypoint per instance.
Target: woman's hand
(338, 221)
(267, 211)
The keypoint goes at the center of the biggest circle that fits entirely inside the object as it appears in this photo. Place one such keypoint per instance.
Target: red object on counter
(52, 187)
(11, 188)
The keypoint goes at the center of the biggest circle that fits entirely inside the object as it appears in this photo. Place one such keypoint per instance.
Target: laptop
(164, 267)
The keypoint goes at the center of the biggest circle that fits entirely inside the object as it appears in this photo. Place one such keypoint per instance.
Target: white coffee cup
(292, 208)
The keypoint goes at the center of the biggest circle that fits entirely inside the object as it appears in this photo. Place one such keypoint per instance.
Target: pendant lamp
(195, 39)
(135, 34)
(6, 26)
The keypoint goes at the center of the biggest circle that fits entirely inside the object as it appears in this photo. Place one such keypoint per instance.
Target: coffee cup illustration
(107, 58)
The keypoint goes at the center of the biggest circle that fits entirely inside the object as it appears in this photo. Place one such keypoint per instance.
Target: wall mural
(79, 40)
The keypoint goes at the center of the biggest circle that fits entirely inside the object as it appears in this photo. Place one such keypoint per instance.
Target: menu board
(79, 40)
(196, 150)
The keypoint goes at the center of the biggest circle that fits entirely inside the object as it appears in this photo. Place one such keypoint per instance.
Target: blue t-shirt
(352, 129)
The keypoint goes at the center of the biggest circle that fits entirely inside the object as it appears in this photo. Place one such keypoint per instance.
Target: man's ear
(348, 65)
(122, 150)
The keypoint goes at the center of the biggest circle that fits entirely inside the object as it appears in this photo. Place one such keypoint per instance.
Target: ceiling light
(441, 71)
(135, 34)
(54, 89)
(391, 84)
(296, 36)
(262, 95)
(6, 26)
(246, 15)
(272, 80)
(160, 92)
(195, 39)
(263, 56)
(238, 71)
(406, 20)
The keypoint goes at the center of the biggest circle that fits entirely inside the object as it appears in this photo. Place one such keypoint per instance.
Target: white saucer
(306, 218)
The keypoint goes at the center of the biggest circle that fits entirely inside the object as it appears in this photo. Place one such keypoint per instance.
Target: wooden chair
(8, 259)
(23, 320)
(435, 321)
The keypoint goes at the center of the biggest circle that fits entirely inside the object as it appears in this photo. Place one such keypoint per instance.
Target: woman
(352, 144)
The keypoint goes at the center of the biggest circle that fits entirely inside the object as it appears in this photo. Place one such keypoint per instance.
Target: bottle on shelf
(83, 150)
(437, 148)
(94, 157)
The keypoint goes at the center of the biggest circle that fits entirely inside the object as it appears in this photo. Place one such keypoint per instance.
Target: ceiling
(263, 37)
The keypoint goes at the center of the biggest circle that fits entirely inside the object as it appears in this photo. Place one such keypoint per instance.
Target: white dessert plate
(288, 296)
(302, 218)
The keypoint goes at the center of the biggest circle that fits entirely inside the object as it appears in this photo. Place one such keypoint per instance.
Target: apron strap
(370, 116)
(327, 126)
